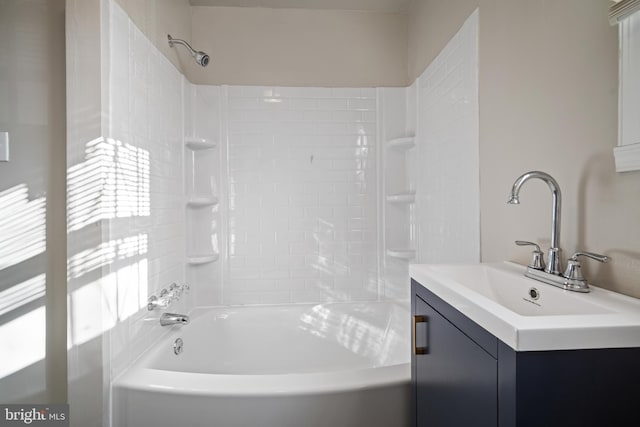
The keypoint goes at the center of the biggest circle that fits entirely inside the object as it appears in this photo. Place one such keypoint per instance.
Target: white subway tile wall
(143, 188)
(302, 195)
(447, 190)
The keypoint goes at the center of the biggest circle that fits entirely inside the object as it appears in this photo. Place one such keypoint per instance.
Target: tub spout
(168, 319)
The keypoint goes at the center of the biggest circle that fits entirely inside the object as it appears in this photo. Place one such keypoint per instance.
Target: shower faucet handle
(163, 300)
(537, 257)
(166, 297)
(157, 302)
(175, 292)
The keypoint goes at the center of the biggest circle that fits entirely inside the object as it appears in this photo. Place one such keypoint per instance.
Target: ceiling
(391, 6)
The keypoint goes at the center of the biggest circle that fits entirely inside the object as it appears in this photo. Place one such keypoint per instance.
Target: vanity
(494, 348)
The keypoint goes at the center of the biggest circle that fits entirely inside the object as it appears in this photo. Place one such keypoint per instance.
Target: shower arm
(200, 57)
(173, 41)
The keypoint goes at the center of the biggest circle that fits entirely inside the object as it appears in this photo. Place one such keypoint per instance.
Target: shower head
(201, 58)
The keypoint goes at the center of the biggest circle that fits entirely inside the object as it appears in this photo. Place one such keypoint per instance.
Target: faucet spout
(553, 266)
(168, 319)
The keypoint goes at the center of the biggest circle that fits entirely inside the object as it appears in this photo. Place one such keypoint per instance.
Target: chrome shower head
(200, 57)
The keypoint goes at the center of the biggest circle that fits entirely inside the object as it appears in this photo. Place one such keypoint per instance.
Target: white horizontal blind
(622, 9)
(627, 154)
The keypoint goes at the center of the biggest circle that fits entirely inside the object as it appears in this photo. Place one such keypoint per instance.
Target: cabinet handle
(416, 349)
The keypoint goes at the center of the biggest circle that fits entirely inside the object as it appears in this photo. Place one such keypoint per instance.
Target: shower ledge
(199, 143)
(401, 253)
(202, 258)
(404, 143)
(406, 197)
(202, 201)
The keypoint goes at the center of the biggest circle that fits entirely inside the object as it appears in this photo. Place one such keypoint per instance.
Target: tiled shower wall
(143, 188)
(302, 173)
(447, 172)
(302, 195)
(125, 212)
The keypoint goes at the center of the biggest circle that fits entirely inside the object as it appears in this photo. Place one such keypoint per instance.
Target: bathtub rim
(199, 384)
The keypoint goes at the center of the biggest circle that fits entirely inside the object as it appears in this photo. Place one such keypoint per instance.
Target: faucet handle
(175, 292)
(537, 257)
(574, 269)
(157, 302)
(597, 257)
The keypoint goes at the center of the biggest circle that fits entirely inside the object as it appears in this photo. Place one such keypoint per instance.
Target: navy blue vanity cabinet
(463, 376)
(455, 379)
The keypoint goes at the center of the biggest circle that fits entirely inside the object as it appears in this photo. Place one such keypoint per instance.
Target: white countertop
(496, 296)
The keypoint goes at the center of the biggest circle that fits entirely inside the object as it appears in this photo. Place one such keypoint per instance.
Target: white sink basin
(530, 315)
(520, 294)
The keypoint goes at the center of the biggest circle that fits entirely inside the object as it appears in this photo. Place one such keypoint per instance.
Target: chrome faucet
(572, 278)
(168, 319)
(553, 264)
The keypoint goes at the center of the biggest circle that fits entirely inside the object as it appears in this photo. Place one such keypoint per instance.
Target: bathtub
(338, 365)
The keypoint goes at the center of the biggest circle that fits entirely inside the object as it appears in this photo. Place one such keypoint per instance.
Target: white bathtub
(338, 365)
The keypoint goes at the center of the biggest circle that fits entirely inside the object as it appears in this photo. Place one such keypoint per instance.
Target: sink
(529, 315)
(513, 291)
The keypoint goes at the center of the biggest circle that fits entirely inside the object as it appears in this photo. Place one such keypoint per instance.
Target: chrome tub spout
(168, 319)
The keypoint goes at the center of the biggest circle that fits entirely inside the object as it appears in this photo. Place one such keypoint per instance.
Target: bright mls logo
(36, 415)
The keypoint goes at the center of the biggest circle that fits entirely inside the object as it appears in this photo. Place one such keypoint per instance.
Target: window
(626, 14)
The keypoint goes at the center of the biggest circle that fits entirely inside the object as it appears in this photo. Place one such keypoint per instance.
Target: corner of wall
(431, 25)
(84, 129)
(158, 18)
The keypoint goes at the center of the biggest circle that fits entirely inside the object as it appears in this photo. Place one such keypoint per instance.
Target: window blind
(622, 9)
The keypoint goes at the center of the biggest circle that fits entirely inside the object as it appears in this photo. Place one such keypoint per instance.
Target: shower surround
(301, 177)
(301, 194)
(296, 171)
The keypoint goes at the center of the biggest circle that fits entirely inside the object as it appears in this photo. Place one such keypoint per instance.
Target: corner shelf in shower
(199, 143)
(202, 201)
(402, 198)
(404, 143)
(201, 158)
(401, 253)
(202, 258)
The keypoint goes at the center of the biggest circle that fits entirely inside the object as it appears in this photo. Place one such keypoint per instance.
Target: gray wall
(300, 47)
(157, 18)
(548, 101)
(285, 47)
(32, 189)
